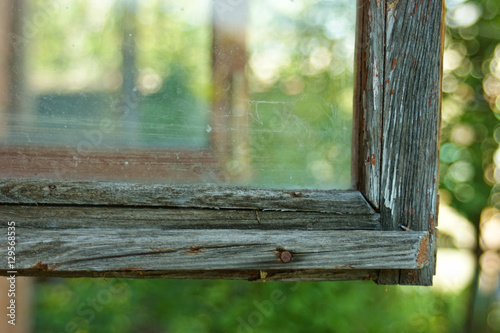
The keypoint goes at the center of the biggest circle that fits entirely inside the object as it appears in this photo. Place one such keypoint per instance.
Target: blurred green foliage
(468, 141)
(239, 306)
(173, 115)
(469, 177)
(302, 118)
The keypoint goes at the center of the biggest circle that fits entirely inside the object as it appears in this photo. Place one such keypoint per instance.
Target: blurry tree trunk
(6, 23)
(471, 322)
(14, 100)
(129, 91)
(230, 138)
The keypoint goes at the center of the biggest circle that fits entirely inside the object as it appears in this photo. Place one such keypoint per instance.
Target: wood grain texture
(13, 191)
(368, 98)
(112, 246)
(411, 120)
(49, 217)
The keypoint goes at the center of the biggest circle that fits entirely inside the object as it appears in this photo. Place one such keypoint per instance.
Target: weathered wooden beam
(15, 191)
(83, 217)
(109, 247)
(411, 121)
(368, 99)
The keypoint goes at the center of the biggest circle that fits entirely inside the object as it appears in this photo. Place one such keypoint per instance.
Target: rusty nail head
(286, 256)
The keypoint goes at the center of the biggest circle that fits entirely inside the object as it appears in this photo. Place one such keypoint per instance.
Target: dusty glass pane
(255, 93)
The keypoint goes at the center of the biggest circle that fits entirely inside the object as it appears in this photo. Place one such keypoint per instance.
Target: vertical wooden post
(411, 124)
(368, 99)
(369, 107)
(397, 110)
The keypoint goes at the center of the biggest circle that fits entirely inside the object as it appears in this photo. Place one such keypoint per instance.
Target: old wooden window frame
(384, 230)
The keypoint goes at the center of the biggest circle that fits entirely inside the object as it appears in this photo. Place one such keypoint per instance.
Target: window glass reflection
(259, 91)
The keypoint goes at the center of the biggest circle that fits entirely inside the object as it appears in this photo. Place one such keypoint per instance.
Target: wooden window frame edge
(201, 231)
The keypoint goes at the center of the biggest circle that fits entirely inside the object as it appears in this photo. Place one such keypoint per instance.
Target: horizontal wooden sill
(25, 191)
(108, 247)
(89, 228)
